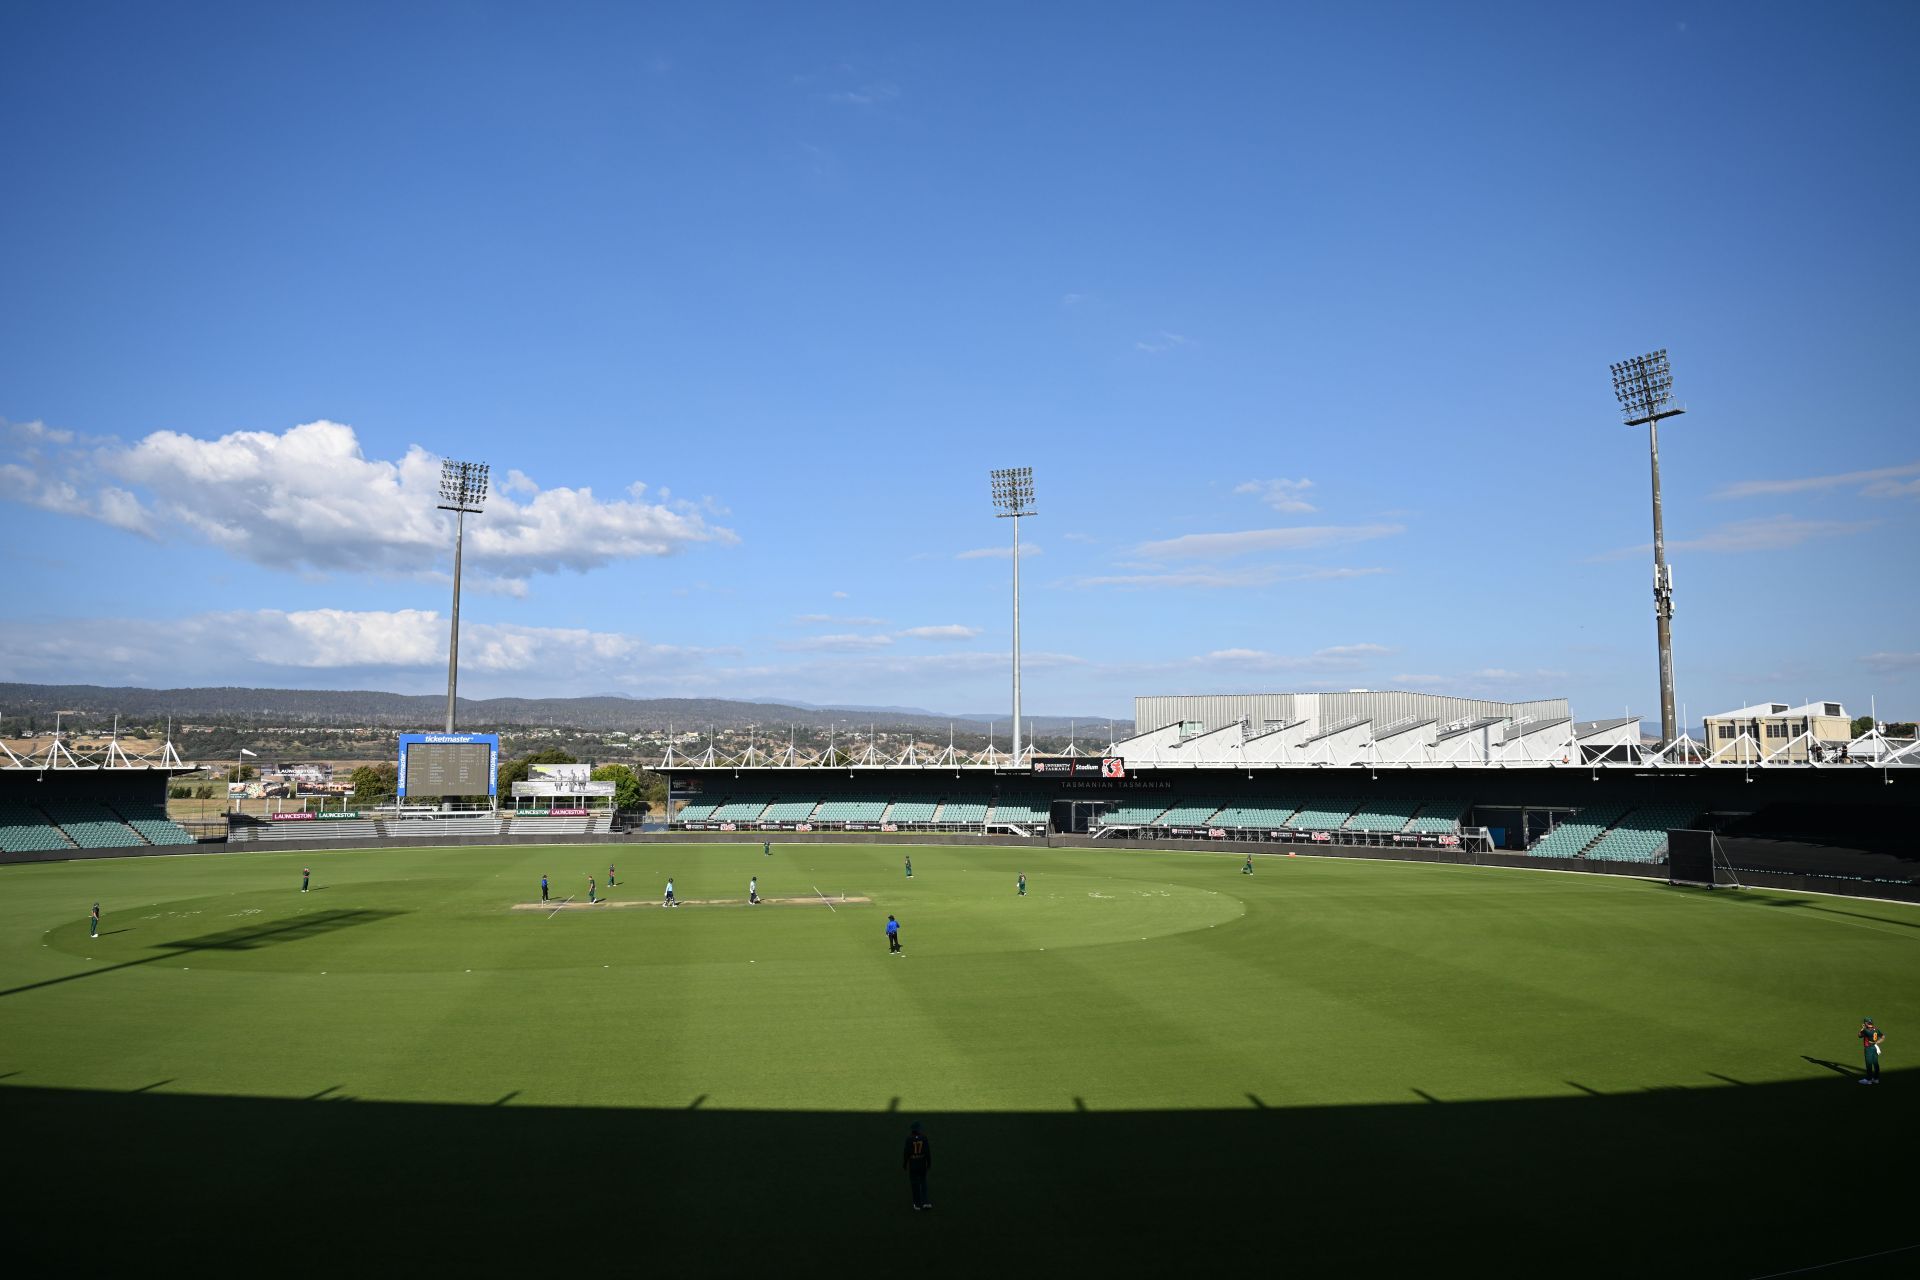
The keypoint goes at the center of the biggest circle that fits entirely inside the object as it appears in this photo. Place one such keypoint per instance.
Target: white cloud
(1299, 538)
(839, 595)
(108, 505)
(870, 95)
(309, 498)
(849, 642)
(837, 620)
(948, 631)
(1080, 537)
(1334, 657)
(1282, 495)
(314, 641)
(39, 432)
(1028, 550)
(1224, 579)
(1163, 343)
(1892, 663)
(1764, 533)
(1882, 482)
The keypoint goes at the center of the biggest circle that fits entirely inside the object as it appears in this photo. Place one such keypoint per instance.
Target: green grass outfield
(1151, 1060)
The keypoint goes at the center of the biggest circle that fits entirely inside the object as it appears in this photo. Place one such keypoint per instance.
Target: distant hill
(349, 707)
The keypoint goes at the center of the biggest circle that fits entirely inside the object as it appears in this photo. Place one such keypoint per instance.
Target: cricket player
(543, 888)
(893, 937)
(591, 891)
(753, 891)
(668, 900)
(1248, 869)
(1023, 884)
(917, 1160)
(94, 932)
(1870, 1040)
(609, 875)
(766, 848)
(909, 866)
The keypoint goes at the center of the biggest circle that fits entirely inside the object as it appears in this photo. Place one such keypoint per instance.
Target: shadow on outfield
(1712, 1181)
(247, 938)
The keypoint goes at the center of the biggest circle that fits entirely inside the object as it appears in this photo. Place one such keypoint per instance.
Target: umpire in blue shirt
(917, 1160)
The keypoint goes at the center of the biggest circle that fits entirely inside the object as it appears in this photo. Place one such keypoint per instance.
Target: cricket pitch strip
(803, 901)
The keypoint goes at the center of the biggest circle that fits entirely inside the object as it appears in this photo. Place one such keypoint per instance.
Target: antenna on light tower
(463, 491)
(1013, 495)
(1644, 387)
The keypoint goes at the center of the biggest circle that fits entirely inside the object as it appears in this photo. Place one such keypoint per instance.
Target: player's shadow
(1840, 1067)
(246, 938)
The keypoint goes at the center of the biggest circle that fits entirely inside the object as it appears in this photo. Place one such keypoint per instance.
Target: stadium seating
(961, 813)
(1024, 812)
(152, 823)
(1440, 815)
(1383, 815)
(789, 810)
(1193, 813)
(743, 808)
(90, 824)
(1642, 834)
(26, 830)
(342, 829)
(1133, 813)
(1249, 816)
(1576, 833)
(1324, 815)
(915, 811)
(466, 824)
(863, 809)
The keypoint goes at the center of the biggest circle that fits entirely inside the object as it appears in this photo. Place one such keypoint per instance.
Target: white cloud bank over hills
(309, 498)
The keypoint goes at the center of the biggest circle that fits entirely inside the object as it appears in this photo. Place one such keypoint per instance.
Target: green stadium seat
(90, 824)
(26, 830)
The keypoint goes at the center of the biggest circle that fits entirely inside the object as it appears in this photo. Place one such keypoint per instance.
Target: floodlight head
(463, 485)
(1644, 386)
(1012, 489)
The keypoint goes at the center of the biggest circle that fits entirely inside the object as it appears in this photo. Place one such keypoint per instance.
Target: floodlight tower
(463, 491)
(1644, 386)
(1013, 494)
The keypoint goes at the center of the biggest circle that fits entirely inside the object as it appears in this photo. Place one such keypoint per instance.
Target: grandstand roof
(1587, 728)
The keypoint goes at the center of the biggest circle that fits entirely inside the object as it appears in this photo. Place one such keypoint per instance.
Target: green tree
(1861, 724)
(245, 773)
(373, 782)
(1899, 729)
(629, 792)
(516, 770)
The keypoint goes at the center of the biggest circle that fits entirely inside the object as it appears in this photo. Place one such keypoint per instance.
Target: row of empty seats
(1615, 832)
(761, 810)
(1311, 815)
(86, 824)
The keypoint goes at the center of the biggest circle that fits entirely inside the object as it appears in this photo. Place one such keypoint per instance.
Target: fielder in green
(766, 848)
(1870, 1040)
(909, 866)
(1248, 869)
(1023, 884)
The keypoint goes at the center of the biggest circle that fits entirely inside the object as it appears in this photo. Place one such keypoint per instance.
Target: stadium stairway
(1641, 836)
(1440, 815)
(26, 830)
(1571, 838)
(90, 824)
(153, 825)
(1383, 815)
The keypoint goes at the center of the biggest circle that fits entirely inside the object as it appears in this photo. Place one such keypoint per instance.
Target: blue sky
(1302, 317)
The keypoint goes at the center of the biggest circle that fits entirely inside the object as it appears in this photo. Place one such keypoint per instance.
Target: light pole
(463, 489)
(1013, 494)
(1644, 386)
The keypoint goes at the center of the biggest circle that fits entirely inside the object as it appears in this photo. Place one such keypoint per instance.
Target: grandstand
(1384, 814)
(1324, 815)
(24, 829)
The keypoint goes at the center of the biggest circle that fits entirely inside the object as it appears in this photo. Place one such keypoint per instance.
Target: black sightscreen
(1690, 857)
